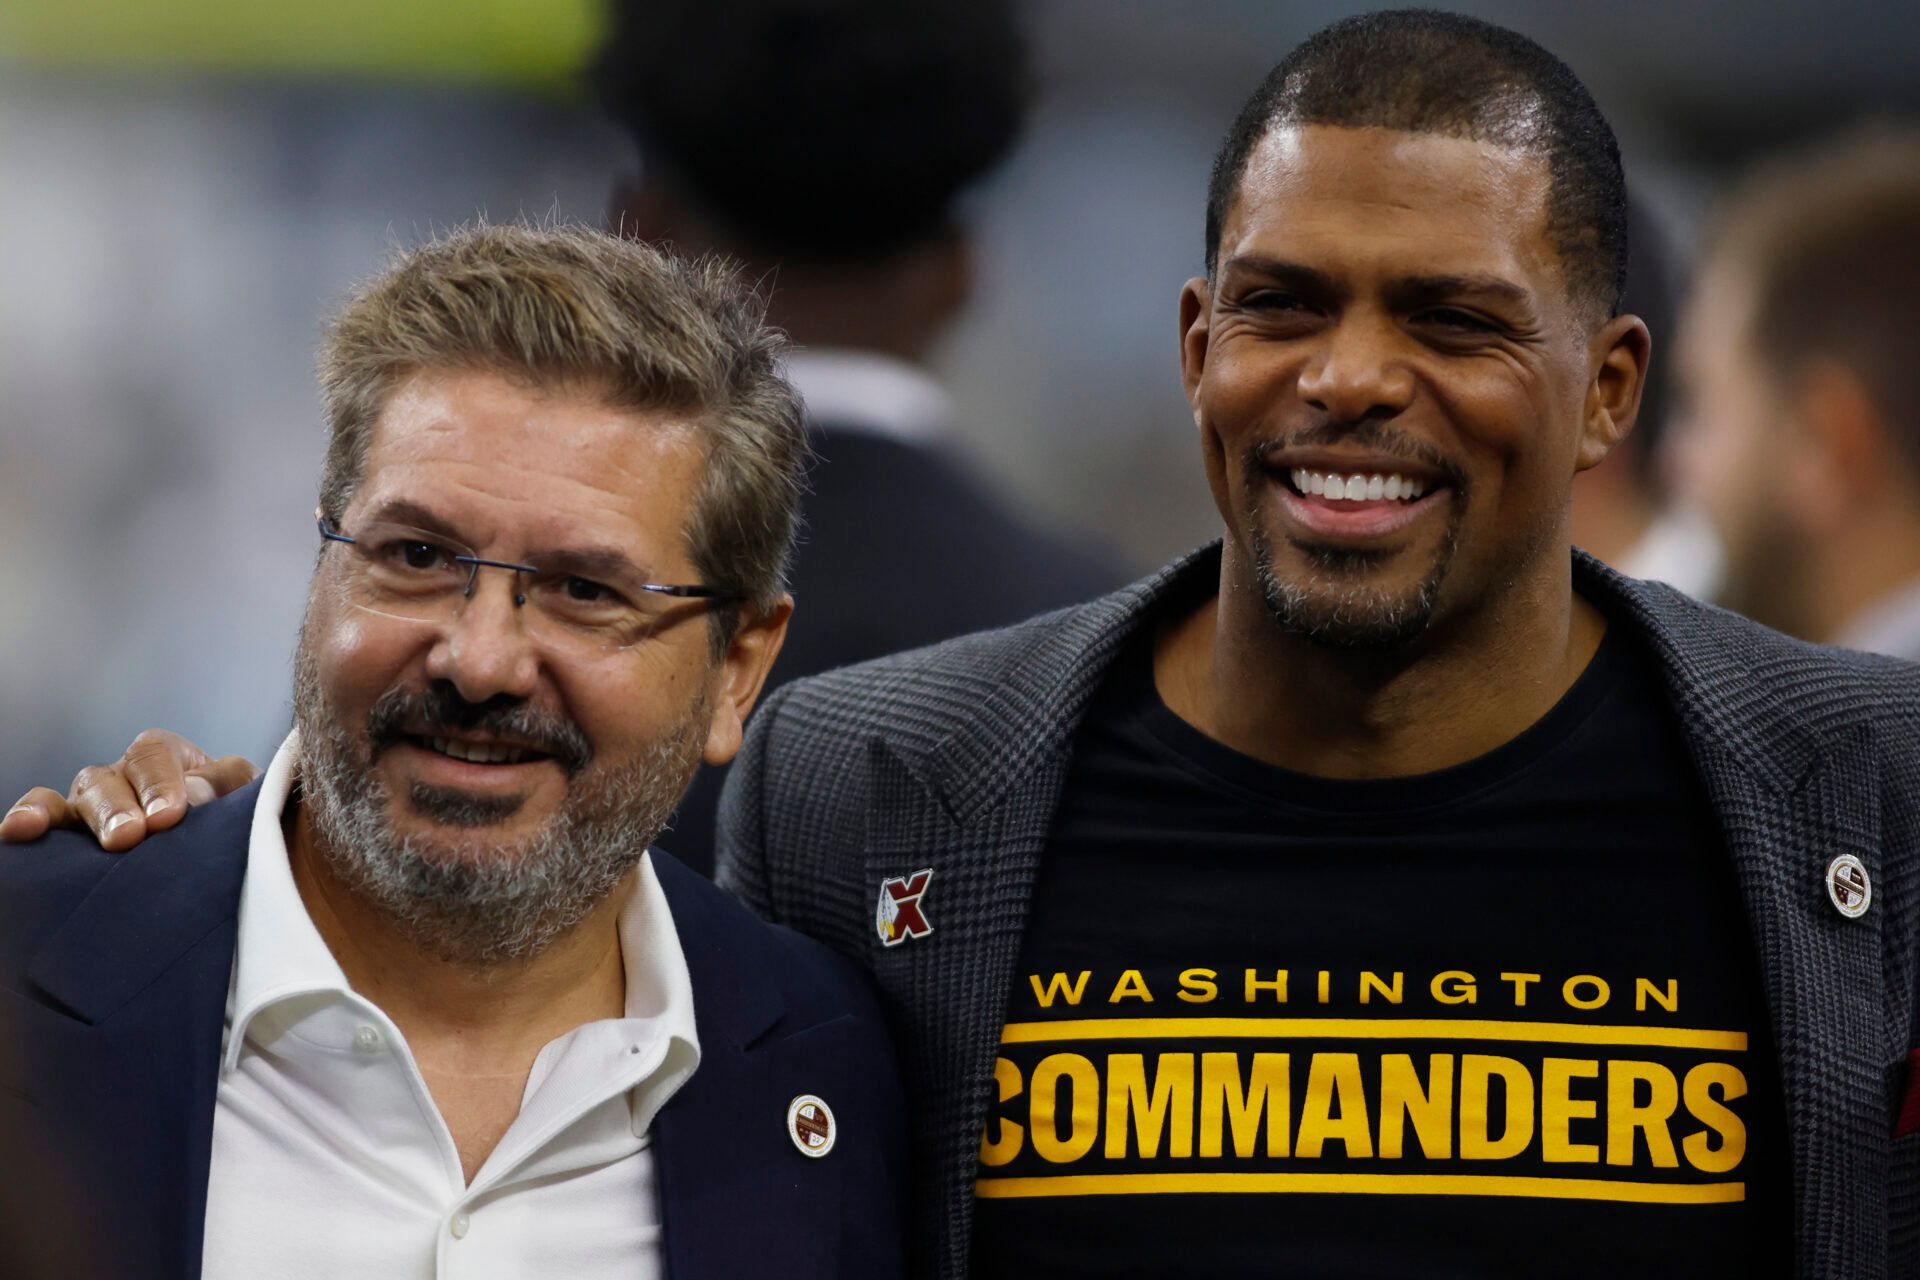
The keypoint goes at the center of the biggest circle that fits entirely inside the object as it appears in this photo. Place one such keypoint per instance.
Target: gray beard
(492, 905)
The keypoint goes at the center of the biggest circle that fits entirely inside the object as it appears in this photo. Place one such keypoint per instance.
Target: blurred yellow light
(527, 42)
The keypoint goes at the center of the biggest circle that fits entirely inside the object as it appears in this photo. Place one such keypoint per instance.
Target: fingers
(167, 773)
(209, 782)
(34, 814)
(228, 773)
(154, 768)
(147, 790)
(107, 804)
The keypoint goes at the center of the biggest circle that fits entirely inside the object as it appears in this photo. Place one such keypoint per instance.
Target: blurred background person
(1624, 510)
(826, 144)
(1801, 356)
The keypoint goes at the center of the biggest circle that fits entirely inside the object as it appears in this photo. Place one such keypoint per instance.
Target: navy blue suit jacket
(114, 973)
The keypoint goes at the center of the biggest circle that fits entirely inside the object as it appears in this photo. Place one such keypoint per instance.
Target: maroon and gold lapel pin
(1848, 886)
(899, 914)
(810, 1124)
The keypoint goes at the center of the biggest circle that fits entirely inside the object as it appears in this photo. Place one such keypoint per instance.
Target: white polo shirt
(330, 1158)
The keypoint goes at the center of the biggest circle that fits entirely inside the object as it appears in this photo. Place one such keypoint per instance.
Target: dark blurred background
(185, 188)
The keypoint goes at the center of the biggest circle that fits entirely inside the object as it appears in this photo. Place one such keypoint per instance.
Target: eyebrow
(599, 562)
(1439, 288)
(1294, 275)
(1412, 290)
(407, 511)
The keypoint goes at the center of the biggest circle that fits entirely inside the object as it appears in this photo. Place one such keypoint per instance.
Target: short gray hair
(572, 307)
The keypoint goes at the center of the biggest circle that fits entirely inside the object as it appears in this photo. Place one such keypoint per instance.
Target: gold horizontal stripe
(1364, 1029)
(1364, 1184)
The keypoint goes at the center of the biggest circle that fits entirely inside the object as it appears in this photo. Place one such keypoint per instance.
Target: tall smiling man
(421, 1003)
(1387, 890)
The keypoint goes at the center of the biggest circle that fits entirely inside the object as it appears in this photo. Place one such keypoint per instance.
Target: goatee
(1334, 603)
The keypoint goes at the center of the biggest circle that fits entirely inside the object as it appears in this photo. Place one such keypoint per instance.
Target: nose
(485, 651)
(1358, 370)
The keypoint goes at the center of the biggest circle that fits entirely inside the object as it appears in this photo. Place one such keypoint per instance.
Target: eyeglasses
(411, 574)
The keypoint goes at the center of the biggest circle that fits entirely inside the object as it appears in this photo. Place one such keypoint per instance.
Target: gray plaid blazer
(953, 757)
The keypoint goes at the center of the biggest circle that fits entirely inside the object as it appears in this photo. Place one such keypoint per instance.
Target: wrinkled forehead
(500, 456)
(1402, 202)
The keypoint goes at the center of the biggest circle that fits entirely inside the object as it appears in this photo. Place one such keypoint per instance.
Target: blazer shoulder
(979, 655)
(42, 883)
(815, 983)
(50, 881)
(1795, 670)
(921, 694)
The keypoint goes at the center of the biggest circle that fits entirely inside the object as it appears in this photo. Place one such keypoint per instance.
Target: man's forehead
(1441, 203)
(494, 457)
(481, 413)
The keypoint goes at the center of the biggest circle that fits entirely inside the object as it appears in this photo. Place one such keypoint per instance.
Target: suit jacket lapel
(976, 807)
(136, 982)
(729, 1195)
(1827, 991)
(1790, 798)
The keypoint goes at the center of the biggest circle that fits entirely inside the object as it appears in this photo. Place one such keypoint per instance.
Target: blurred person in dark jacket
(1623, 510)
(826, 145)
(1801, 359)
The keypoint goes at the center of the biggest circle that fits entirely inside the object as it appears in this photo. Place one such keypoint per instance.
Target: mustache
(1368, 433)
(402, 712)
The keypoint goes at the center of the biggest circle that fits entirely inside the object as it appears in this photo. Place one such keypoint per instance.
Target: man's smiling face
(486, 763)
(1390, 378)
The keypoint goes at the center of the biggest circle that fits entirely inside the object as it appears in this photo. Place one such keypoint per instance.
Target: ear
(1620, 352)
(740, 675)
(1843, 456)
(1196, 314)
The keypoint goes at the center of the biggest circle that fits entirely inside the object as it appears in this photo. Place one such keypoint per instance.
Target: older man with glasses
(421, 1002)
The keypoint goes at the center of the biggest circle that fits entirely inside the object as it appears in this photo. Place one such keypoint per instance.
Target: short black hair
(827, 130)
(1424, 71)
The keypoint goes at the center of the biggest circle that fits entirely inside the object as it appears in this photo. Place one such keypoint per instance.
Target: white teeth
(1357, 488)
(479, 752)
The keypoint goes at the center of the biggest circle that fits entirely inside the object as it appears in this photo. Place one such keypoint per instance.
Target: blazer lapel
(976, 905)
(1826, 989)
(126, 1047)
(1790, 800)
(735, 1199)
(975, 808)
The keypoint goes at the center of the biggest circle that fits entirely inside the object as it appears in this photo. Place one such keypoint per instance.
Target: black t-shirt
(1503, 1019)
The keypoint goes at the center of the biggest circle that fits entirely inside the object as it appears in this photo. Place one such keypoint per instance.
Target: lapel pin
(898, 915)
(810, 1125)
(1848, 886)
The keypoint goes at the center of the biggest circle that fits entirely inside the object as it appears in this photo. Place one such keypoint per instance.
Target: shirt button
(366, 1039)
(459, 1226)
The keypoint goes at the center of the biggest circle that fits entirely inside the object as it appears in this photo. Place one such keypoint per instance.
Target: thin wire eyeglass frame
(331, 533)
